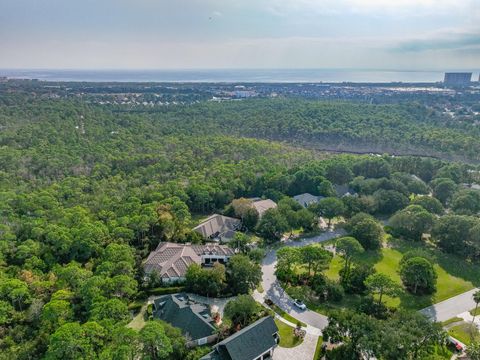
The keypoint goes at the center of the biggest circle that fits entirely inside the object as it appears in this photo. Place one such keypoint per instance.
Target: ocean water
(229, 75)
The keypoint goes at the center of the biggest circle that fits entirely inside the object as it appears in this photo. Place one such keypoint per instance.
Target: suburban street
(274, 291)
(450, 308)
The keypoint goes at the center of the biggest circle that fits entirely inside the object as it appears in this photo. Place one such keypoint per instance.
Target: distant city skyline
(442, 35)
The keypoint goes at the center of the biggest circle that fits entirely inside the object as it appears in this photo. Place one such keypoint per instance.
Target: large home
(307, 199)
(192, 318)
(218, 228)
(263, 205)
(254, 342)
(170, 261)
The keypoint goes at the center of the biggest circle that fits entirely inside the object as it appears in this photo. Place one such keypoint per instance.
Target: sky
(250, 34)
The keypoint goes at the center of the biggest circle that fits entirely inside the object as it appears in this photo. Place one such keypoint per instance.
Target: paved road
(450, 308)
(274, 291)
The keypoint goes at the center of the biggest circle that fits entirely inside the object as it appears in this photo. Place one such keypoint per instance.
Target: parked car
(456, 344)
(299, 304)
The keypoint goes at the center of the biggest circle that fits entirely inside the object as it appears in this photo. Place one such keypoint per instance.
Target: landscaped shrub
(166, 290)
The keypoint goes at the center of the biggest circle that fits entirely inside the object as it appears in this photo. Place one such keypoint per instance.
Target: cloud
(442, 40)
(374, 7)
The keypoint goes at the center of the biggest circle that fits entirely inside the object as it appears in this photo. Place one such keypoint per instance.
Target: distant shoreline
(231, 76)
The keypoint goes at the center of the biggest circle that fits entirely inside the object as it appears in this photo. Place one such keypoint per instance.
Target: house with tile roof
(263, 205)
(170, 261)
(218, 228)
(254, 342)
(192, 318)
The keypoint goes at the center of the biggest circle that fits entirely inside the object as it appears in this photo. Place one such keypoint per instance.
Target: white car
(299, 304)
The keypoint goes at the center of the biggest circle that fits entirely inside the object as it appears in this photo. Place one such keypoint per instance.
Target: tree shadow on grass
(415, 302)
(369, 257)
(459, 267)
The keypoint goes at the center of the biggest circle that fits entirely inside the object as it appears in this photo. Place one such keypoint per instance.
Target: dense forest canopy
(86, 191)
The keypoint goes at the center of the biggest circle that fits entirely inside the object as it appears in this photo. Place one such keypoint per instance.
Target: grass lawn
(463, 332)
(453, 276)
(286, 316)
(287, 339)
(138, 322)
(318, 349)
(451, 321)
(474, 312)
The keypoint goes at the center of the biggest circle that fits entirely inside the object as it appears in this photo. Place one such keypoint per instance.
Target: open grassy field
(455, 276)
(287, 339)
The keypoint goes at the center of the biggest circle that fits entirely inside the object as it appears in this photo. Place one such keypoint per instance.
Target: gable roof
(217, 225)
(192, 318)
(248, 343)
(306, 199)
(171, 260)
(263, 205)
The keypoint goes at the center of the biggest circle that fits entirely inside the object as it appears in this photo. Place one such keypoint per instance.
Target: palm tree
(476, 298)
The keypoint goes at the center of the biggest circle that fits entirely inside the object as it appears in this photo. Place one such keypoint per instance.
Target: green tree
(412, 222)
(366, 230)
(429, 203)
(307, 220)
(380, 284)
(372, 167)
(272, 225)
(418, 276)
(287, 257)
(113, 310)
(124, 345)
(208, 282)
(390, 201)
(348, 247)
(155, 343)
(244, 210)
(339, 173)
(6, 312)
(473, 350)
(241, 241)
(315, 258)
(56, 313)
(330, 207)
(241, 310)
(69, 342)
(476, 299)
(443, 189)
(15, 291)
(243, 274)
(451, 232)
(466, 202)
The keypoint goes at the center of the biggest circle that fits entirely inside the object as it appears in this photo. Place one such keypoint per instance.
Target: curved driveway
(274, 291)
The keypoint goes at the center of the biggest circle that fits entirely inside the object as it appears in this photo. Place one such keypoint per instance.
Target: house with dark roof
(170, 261)
(254, 342)
(192, 318)
(307, 199)
(218, 228)
(343, 190)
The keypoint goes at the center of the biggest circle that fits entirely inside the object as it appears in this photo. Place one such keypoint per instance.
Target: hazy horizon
(251, 34)
(230, 75)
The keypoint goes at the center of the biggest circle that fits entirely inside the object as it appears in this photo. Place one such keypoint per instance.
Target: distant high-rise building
(457, 78)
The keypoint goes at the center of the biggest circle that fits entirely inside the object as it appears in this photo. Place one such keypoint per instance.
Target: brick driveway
(304, 351)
